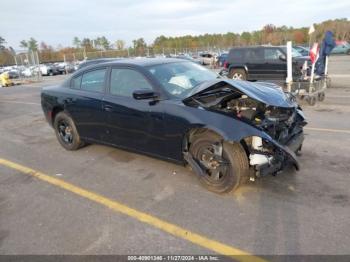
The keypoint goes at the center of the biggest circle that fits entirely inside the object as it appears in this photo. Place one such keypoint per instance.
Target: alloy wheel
(65, 132)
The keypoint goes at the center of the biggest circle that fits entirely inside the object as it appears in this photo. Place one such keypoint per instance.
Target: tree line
(269, 34)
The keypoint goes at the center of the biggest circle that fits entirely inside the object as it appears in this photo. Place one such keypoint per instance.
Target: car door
(255, 63)
(131, 123)
(84, 102)
(274, 67)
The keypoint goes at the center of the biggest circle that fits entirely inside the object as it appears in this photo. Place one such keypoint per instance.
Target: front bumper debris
(271, 163)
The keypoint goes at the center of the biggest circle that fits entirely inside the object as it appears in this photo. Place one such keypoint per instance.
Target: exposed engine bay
(278, 122)
(283, 124)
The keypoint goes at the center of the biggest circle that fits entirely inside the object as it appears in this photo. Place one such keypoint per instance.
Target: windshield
(180, 78)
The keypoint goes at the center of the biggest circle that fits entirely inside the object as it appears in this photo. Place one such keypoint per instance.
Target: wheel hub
(65, 131)
(211, 159)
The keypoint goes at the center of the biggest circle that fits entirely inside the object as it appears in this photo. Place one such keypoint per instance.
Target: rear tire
(231, 175)
(66, 132)
(238, 74)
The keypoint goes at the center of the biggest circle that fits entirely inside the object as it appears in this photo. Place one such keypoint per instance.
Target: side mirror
(282, 57)
(144, 94)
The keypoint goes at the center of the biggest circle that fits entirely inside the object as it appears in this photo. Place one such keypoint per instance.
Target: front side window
(125, 81)
(272, 54)
(93, 80)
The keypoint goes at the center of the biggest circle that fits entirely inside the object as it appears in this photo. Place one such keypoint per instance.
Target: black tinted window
(76, 82)
(125, 81)
(253, 54)
(93, 80)
(272, 54)
(236, 55)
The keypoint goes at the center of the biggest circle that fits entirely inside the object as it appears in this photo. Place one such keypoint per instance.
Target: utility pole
(38, 63)
(64, 60)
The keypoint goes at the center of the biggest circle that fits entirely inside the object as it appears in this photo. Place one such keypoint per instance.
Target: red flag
(314, 53)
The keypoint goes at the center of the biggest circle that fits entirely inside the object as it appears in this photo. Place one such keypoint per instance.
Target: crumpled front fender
(243, 130)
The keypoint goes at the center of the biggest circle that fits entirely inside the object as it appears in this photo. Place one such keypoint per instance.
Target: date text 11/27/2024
(173, 258)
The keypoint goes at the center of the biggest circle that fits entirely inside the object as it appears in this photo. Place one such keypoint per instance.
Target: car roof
(255, 46)
(143, 62)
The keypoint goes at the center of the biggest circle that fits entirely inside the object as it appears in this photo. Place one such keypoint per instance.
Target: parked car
(27, 72)
(226, 130)
(206, 58)
(341, 48)
(304, 51)
(48, 69)
(65, 68)
(263, 63)
(189, 58)
(222, 59)
(13, 73)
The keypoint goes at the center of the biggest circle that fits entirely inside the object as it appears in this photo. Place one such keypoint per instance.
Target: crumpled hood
(267, 93)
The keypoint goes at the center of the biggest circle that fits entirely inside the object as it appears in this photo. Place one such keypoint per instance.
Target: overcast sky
(57, 22)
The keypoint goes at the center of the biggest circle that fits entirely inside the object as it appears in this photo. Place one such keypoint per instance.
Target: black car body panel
(160, 127)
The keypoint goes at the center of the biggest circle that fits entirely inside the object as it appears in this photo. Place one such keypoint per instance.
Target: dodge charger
(227, 131)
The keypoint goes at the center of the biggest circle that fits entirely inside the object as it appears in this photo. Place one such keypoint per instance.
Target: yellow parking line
(328, 130)
(19, 102)
(172, 229)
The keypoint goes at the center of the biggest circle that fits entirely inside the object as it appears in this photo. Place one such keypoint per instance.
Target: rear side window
(236, 55)
(125, 81)
(253, 54)
(93, 80)
(76, 82)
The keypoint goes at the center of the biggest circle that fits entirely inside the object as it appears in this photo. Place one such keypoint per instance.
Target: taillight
(225, 64)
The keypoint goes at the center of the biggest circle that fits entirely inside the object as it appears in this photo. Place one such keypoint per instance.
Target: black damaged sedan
(227, 130)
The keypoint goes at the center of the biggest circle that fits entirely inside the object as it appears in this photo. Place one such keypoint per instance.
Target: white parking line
(340, 75)
(339, 96)
(18, 102)
(328, 130)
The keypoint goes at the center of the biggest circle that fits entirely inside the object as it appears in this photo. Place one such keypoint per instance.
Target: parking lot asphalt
(305, 212)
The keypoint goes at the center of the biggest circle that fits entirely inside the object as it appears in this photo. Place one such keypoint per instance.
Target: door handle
(69, 100)
(108, 108)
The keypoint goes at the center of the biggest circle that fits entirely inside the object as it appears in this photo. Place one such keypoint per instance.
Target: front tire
(66, 132)
(225, 164)
(238, 74)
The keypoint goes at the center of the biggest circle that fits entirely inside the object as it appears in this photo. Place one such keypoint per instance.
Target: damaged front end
(284, 127)
(275, 115)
